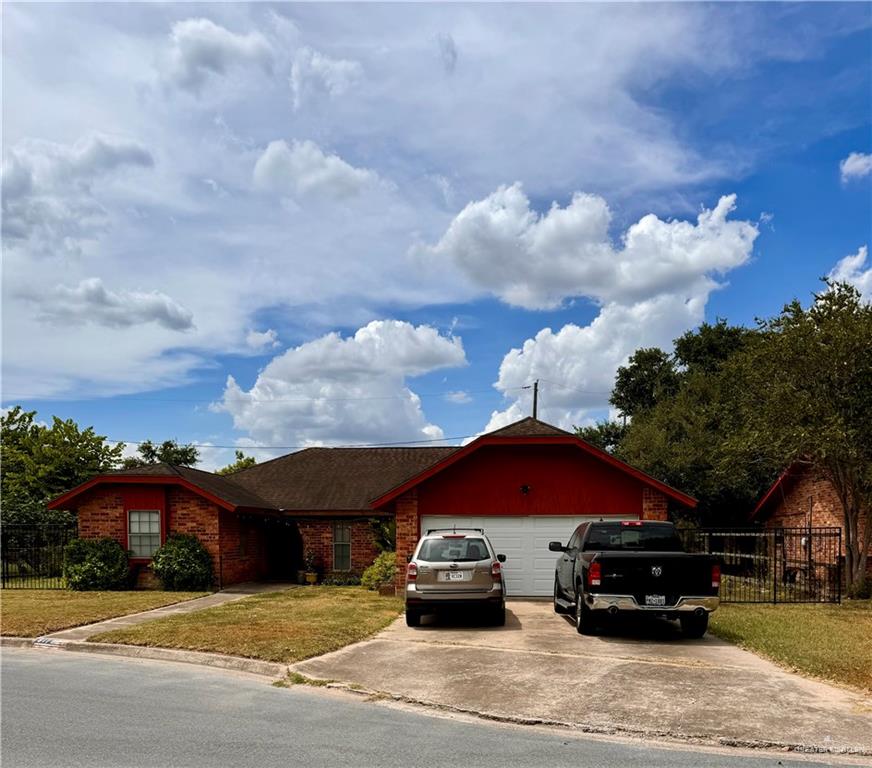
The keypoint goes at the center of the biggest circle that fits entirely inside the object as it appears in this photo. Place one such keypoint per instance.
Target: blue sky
(288, 225)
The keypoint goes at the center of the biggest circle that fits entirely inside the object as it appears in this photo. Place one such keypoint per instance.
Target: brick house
(802, 497)
(525, 484)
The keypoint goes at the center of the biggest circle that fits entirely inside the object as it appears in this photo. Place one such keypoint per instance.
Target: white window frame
(142, 534)
(337, 543)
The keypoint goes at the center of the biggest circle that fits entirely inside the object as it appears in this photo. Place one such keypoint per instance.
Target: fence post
(774, 566)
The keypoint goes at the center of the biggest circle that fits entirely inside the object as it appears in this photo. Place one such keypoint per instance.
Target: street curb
(268, 669)
(16, 642)
(278, 672)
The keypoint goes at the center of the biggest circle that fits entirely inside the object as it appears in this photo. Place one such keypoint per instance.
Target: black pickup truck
(611, 568)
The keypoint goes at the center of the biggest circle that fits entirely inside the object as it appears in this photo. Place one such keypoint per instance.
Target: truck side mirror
(556, 546)
(501, 558)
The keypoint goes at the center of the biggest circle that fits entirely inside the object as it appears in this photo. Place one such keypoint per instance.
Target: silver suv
(454, 567)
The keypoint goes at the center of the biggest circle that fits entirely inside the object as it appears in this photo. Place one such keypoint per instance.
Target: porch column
(406, 511)
(654, 505)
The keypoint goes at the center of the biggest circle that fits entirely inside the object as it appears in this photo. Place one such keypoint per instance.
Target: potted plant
(309, 561)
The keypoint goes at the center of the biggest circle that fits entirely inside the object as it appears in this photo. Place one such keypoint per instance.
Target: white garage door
(529, 567)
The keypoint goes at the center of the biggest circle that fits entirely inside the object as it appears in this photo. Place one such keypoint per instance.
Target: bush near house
(95, 564)
(341, 579)
(182, 563)
(382, 571)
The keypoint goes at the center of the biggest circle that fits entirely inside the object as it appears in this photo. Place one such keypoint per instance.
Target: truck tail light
(412, 572)
(594, 575)
(716, 576)
(634, 523)
(496, 570)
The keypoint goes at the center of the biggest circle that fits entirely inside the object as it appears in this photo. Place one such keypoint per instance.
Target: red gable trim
(62, 501)
(681, 498)
(779, 486)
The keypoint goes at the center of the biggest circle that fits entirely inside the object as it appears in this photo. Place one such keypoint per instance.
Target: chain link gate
(774, 565)
(32, 556)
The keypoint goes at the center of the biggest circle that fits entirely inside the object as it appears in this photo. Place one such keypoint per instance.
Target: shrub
(381, 572)
(95, 564)
(183, 563)
(341, 579)
(862, 590)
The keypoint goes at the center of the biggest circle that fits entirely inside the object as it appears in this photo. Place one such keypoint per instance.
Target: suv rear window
(614, 537)
(453, 550)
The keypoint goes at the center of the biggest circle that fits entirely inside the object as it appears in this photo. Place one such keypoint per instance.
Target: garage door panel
(529, 567)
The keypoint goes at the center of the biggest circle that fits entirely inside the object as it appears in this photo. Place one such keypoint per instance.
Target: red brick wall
(406, 508)
(317, 536)
(809, 488)
(654, 505)
(102, 514)
(243, 549)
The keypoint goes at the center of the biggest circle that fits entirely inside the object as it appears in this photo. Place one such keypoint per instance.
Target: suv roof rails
(453, 530)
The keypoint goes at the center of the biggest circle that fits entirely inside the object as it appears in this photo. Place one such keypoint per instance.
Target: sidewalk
(229, 595)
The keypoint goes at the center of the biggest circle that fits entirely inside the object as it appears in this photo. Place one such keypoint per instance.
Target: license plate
(453, 576)
(655, 599)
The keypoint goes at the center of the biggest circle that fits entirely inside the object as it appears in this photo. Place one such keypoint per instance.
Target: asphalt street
(66, 709)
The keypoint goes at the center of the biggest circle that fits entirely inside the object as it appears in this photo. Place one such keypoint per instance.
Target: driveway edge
(276, 672)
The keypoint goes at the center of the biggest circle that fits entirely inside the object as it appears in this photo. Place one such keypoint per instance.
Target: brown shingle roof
(335, 478)
(528, 427)
(218, 485)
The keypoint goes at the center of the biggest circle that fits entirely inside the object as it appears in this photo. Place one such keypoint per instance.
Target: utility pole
(535, 398)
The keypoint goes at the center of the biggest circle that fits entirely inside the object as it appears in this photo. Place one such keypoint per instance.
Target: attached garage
(529, 567)
(524, 485)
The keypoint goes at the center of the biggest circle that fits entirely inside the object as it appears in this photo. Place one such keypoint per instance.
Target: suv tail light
(411, 571)
(496, 570)
(716, 576)
(594, 575)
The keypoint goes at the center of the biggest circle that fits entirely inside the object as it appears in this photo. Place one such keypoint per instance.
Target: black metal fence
(32, 556)
(774, 565)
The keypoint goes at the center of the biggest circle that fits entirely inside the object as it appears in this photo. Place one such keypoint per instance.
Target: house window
(341, 547)
(143, 532)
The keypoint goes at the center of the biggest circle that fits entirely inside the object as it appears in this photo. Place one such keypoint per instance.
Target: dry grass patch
(34, 612)
(280, 626)
(833, 642)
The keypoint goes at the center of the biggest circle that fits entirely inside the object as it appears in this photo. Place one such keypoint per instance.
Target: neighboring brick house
(802, 497)
(525, 483)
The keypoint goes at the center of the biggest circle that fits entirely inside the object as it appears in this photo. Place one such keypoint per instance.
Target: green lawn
(279, 626)
(34, 612)
(832, 642)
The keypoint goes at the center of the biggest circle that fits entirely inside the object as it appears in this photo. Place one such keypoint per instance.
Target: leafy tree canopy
(242, 462)
(169, 452)
(42, 461)
(604, 434)
(648, 376)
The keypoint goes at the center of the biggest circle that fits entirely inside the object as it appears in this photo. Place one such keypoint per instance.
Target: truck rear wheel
(584, 624)
(413, 618)
(694, 626)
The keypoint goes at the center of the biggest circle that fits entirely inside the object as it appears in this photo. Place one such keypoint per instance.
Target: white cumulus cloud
(314, 73)
(49, 201)
(650, 290)
(91, 302)
(851, 270)
(537, 261)
(303, 168)
(344, 390)
(200, 48)
(258, 340)
(855, 166)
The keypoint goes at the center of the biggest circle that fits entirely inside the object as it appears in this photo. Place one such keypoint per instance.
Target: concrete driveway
(640, 680)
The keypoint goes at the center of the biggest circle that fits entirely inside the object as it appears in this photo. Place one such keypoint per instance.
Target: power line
(399, 443)
(127, 398)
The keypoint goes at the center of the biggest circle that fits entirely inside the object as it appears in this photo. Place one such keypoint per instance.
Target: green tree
(806, 394)
(604, 434)
(708, 347)
(40, 462)
(169, 452)
(648, 376)
(242, 462)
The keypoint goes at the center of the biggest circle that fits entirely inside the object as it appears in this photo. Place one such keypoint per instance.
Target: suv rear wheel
(498, 617)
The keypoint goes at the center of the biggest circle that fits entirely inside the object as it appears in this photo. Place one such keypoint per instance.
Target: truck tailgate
(644, 574)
